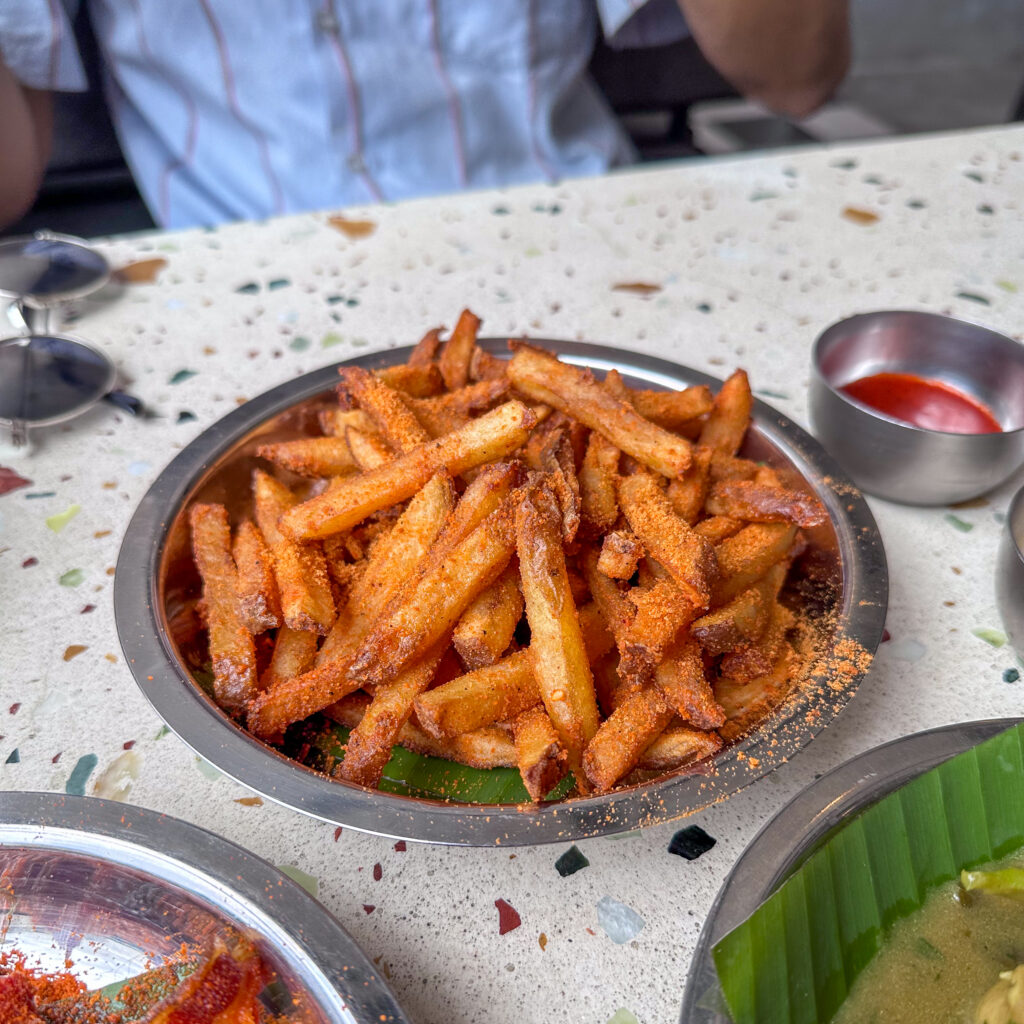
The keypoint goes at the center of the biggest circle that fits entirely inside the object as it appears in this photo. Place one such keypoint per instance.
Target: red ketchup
(923, 403)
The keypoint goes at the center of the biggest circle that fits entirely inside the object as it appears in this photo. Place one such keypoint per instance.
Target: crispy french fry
(370, 742)
(294, 652)
(554, 456)
(382, 403)
(623, 737)
(540, 755)
(662, 611)
(729, 467)
(747, 555)
(620, 553)
(597, 638)
(560, 662)
(679, 411)
(231, 647)
(416, 381)
(334, 422)
(757, 657)
(688, 557)
(677, 746)
(730, 417)
(444, 413)
(681, 679)
(300, 569)
(746, 703)
(486, 627)
(492, 436)
(456, 354)
(688, 493)
(607, 684)
(310, 456)
(484, 366)
(368, 450)
(391, 562)
(575, 392)
(718, 528)
(599, 505)
(743, 619)
(425, 350)
(608, 595)
(758, 503)
(258, 603)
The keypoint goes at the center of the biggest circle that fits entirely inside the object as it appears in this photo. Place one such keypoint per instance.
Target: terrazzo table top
(747, 261)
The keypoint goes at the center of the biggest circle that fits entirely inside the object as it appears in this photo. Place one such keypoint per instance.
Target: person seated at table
(229, 110)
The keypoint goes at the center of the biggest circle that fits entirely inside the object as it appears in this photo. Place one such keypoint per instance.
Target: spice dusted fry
(494, 693)
(729, 467)
(759, 655)
(745, 703)
(607, 683)
(416, 381)
(368, 450)
(389, 413)
(484, 366)
(747, 555)
(486, 627)
(560, 662)
(258, 602)
(758, 503)
(677, 746)
(541, 758)
(688, 493)
(575, 392)
(688, 557)
(425, 350)
(444, 413)
(458, 350)
(494, 435)
(390, 563)
(743, 619)
(300, 569)
(310, 456)
(624, 736)
(599, 505)
(370, 742)
(294, 652)
(231, 647)
(608, 596)
(727, 425)
(620, 553)
(334, 422)
(597, 638)
(662, 611)
(681, 680)
(718, 528)
(678, 411)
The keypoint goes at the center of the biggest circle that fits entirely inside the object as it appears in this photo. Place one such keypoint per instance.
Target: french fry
(678, 411)
(231, 648)
(758, 503)
(746, 703)
(368, 449)
(608, 596)
(607, 683)
(541, 758)
(415, 381)
(597, 638)
(718, 528)
(300, 569)
(727, 425)
(484, 366)
(757, 657)
(425, 350)
(688, 557)
(382, 403)
(486, 627)
(620, 553)
(688, 493)
(554, 456)
(310, 456)
(729, 467)
(334, 422)
(662, 611)
(492, 436)
(747, 555)
(560, 662)
(258, 603)
(681, 680)
(294, 652)
(743, 619)
(677, 746)
(576, 393)
(623, 737)
(444, 413)
(599, 505)
(458, 350)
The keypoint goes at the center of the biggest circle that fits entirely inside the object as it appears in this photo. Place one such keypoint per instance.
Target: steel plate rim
(153, 842)
(241, 756)
(782, 844)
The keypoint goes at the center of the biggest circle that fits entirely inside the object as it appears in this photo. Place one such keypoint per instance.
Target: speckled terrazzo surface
(750, 260)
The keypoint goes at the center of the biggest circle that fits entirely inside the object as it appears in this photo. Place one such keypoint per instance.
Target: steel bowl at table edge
(801, 827)
(896, 460)
(847, 554)
(116, 888)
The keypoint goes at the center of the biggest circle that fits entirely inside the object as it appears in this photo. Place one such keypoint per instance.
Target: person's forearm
(788, 54)
(27, 127)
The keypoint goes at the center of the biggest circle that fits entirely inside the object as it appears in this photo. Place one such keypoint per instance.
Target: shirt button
(325, 21)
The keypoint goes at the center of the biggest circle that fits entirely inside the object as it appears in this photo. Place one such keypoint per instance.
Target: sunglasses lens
(45, 378)
(49, 268)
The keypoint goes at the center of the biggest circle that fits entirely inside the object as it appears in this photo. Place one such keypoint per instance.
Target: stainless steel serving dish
(843, 571)
(115, 889)
(801, 827)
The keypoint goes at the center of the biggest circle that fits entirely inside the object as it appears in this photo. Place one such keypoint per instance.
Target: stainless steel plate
(801, 827)
(114, 889)
(844, 570)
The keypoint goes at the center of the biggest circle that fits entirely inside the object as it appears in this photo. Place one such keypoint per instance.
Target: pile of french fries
(508, 563)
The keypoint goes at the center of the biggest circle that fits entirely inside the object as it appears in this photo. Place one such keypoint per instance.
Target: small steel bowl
(806, 822)
(1010, 573)
(895, 460)
(116, 889)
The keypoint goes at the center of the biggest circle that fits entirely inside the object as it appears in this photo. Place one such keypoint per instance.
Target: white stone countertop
(751, 259)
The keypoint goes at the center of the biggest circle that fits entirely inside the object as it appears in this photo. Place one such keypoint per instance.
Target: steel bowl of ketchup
(919, 408)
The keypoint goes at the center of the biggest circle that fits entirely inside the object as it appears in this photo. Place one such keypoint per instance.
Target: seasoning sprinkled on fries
(508, 562)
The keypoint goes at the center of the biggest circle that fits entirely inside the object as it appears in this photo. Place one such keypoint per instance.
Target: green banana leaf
(796, 957)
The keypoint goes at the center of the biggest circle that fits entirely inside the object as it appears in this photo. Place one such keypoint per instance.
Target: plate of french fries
(479, 591)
